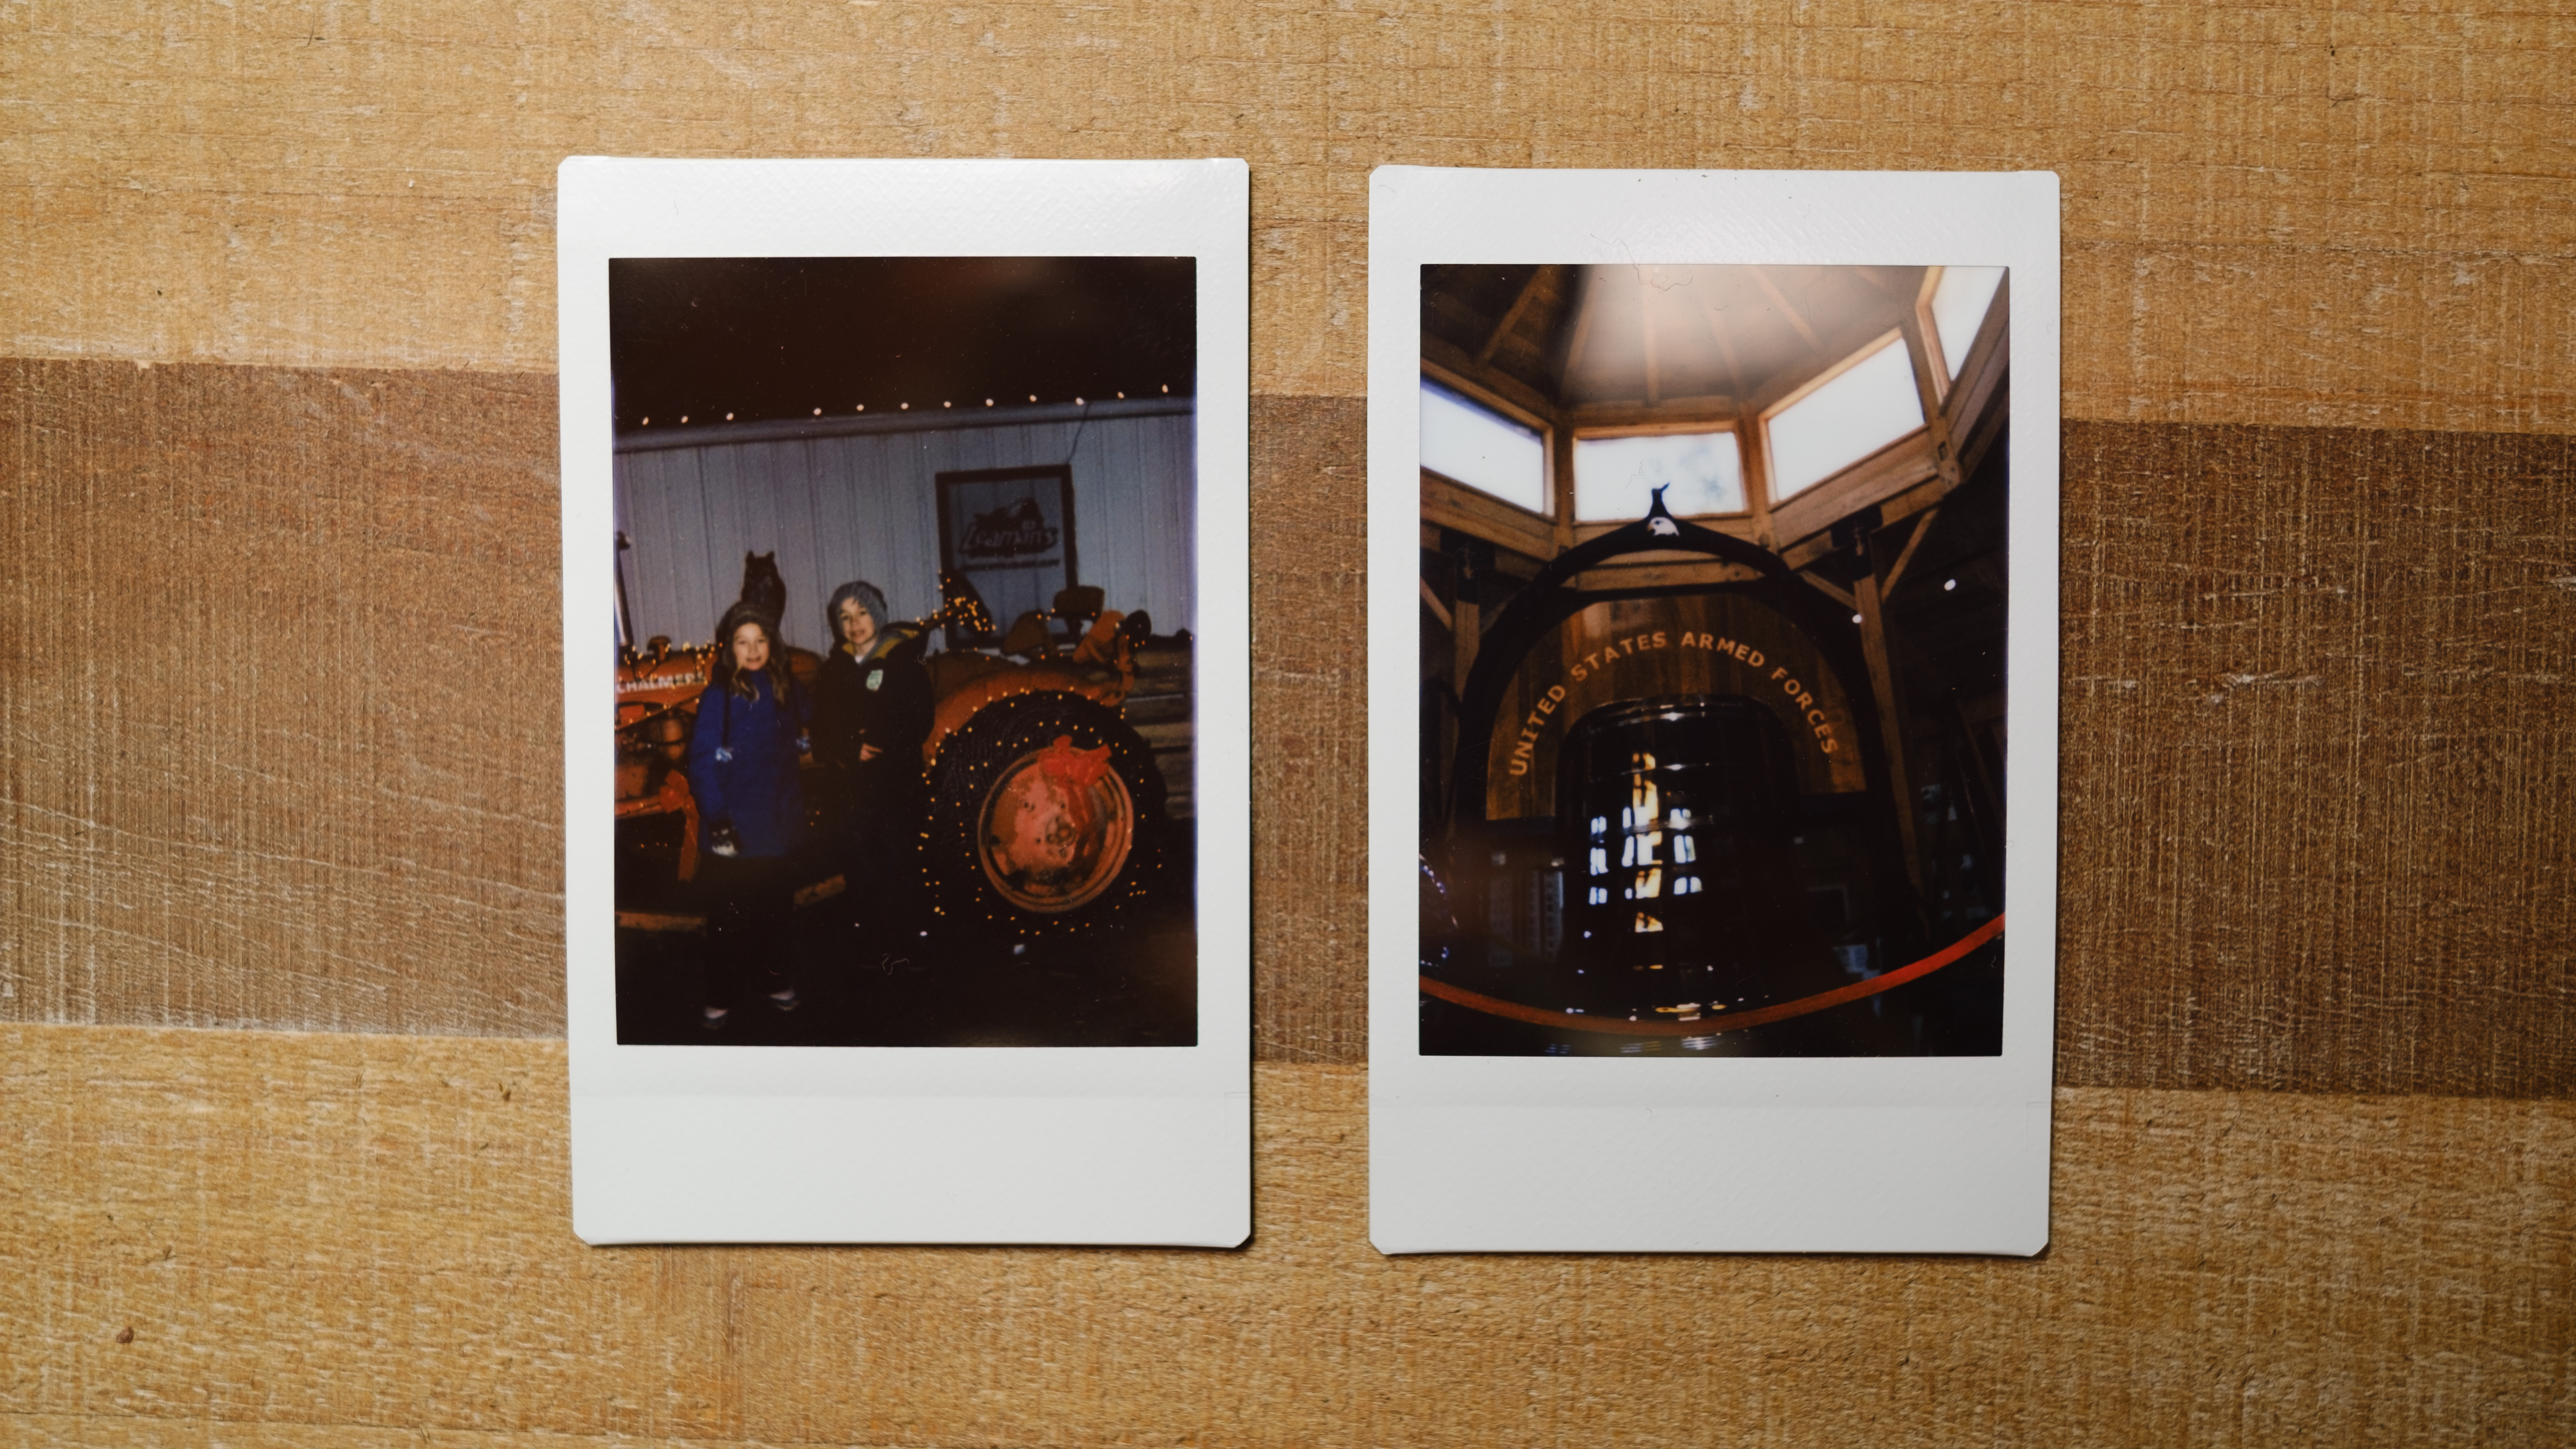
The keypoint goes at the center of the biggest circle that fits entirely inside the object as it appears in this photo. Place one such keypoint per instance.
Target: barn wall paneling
(851, 504)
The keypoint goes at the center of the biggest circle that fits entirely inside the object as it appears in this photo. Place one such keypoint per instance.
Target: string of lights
(1163, 389)
(768, 340)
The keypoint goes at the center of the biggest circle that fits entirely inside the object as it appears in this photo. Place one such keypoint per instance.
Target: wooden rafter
(1725, 347)
(1763, 279)
(1914, 540)
(1891, 714)
(1883, 280)
(1512, 315)
(1646, 331)
(1451, 359)
(1833, 591)
(1438, 609)
(1582, 332)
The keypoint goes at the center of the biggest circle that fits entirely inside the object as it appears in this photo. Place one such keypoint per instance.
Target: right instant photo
(1713, 689)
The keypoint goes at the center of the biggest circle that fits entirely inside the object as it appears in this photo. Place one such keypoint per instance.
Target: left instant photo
(906, 700)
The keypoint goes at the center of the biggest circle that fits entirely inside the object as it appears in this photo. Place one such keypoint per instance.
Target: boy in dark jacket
(872, 710)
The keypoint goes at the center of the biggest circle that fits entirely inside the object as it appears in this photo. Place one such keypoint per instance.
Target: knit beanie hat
(869, 599)
(734, 618)
(745, 613)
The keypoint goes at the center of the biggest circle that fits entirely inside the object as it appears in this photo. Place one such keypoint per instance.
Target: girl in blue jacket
(743, 754)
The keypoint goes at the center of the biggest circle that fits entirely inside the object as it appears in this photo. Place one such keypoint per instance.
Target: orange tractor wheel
(1047, 820)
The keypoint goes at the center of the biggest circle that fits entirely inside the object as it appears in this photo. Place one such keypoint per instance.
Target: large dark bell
(1681, 894)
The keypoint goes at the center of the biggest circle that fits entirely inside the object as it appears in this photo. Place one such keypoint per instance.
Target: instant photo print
(906, 690)
(1713, 528)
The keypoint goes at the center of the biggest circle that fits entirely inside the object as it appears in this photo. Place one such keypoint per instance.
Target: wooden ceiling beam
(1646, 336)
(1512, 315)
(1833, 591)
(1580, 333)
(1890, 281)
(1725, 346)
(1715, 409)
(1896, 570)
(1762, 278)
(1452, 359)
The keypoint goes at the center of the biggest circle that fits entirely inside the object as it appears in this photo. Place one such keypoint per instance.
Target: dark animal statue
(762, 587)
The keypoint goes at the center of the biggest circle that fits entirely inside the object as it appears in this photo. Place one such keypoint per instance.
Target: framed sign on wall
(1009, 531)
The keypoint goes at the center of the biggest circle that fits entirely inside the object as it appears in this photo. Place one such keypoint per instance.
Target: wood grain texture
(2308, 213)
(2318, 761)
(282, 699)
(279, 736)
(1309, 729)
(317, 1235)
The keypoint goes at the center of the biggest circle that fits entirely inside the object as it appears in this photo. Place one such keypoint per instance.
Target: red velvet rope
(1709, 1025)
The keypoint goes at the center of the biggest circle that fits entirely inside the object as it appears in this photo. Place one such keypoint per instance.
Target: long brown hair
(727, 676)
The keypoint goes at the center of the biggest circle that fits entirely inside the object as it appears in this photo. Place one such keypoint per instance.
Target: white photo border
(1626, 1154)
(1079, 1145)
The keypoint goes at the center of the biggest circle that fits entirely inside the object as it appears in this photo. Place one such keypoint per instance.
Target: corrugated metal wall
(858, 500)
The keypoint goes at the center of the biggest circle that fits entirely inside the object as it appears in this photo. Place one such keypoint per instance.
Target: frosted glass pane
(1616, 477)
(1483, 450)
(1959, 302)
(1870, 406)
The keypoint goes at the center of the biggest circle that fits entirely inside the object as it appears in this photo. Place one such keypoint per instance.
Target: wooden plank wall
(279, 712)
(846, 504)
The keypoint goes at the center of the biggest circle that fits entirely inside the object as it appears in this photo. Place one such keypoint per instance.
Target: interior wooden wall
(279, 709)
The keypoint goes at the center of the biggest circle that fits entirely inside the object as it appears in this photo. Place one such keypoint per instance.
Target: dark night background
(778, 337)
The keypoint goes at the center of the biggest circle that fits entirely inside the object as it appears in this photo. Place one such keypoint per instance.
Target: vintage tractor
(1047, 813)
